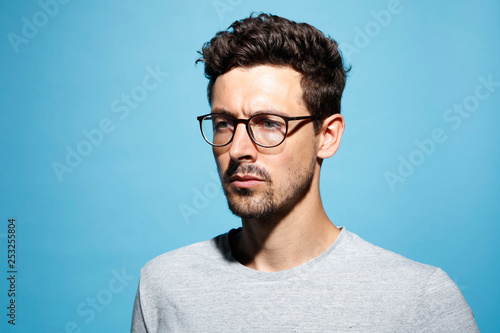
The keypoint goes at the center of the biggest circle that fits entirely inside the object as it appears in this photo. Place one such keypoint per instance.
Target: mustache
(246, 169)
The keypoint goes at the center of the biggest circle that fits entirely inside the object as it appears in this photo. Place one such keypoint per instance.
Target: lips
(245, 181)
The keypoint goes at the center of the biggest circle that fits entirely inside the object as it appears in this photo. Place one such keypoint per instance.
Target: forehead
(246, 91)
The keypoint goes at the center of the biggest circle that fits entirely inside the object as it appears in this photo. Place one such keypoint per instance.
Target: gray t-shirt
(353, 286)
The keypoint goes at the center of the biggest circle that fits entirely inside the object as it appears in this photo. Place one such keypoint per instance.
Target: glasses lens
(218, 129)
(268, 130)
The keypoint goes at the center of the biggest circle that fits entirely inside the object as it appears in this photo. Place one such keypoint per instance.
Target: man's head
(273, 40)
(270, 65)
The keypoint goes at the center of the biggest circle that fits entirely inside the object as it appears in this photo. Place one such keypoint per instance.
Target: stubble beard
(257, 204)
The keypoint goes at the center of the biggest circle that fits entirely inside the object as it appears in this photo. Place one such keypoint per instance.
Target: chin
(248, 207)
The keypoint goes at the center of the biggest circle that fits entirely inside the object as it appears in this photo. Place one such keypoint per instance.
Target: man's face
(261, 182)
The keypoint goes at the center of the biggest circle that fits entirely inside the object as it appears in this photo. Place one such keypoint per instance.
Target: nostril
(242, 147)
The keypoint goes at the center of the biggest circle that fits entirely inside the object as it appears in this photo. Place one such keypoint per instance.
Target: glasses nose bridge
(246, 122)
(241, 121)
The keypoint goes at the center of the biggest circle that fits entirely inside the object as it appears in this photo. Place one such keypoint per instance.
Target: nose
(242, 148)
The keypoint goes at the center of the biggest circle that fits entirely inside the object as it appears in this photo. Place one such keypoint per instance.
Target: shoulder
(373, 257)
(183, 262)
(437, 304)
(386, 268)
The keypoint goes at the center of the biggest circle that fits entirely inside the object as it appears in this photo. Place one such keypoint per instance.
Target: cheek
(287, 167)
(220, 154)
(301, 161)
(219, 164)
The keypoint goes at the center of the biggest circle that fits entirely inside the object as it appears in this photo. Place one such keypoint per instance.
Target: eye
(221, 123)
(269, 124)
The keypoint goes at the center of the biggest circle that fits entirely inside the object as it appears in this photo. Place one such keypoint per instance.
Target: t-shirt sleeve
(138, 324)
(442, 307)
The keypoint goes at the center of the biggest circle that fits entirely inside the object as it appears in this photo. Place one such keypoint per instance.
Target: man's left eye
(269, 124)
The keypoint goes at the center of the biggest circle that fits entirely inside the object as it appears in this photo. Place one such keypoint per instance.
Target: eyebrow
(271, 111)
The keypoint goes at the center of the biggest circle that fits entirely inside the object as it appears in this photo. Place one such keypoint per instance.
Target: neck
(288, 240)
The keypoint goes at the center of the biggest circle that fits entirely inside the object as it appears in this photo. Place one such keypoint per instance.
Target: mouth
(245, 181)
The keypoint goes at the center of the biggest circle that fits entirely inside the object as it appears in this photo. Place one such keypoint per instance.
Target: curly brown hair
(273, 40)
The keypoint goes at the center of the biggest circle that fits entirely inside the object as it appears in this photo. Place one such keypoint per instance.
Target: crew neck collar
(225, 246)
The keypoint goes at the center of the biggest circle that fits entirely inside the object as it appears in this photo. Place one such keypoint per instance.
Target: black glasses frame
(246, 122)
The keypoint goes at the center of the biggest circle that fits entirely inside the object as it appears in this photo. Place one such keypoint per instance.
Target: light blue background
(121, 206)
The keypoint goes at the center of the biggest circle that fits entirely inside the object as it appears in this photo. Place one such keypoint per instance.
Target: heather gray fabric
(353, 286)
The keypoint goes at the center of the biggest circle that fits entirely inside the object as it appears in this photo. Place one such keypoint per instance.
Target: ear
(329, 136)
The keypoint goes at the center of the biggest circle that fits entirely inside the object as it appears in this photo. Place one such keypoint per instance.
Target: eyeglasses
(265, 129)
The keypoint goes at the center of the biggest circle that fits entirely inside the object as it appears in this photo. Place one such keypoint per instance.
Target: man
(275, 88)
